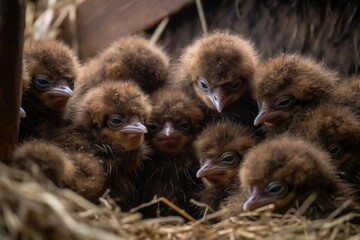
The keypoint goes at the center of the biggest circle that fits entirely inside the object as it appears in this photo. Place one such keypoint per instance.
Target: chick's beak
(168, 129)
(134, 126)
(22, 113)
(209, 168)
(218, 98)
(61, 90)
(64, 92)
(258, 198)
(266, 114)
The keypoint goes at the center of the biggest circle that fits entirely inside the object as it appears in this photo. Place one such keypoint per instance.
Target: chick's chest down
(171, 170)
(52, 68)
(220, 149)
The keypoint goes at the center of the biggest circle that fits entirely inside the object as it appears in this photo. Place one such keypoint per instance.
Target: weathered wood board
(99, 22)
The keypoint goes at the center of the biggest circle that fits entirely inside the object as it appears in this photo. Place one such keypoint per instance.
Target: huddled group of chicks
(218, 126)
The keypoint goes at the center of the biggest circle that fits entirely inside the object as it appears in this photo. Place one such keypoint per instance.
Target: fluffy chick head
(335, 129)
(220, 149)
(52, 68)
(220, 67)
(136, 58)
(118, 110)
(283, 169)
(174, 121)
(288, 83)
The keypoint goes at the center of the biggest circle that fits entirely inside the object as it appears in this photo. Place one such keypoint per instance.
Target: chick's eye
(236, 85)
(42, 82)
(185, 124)
(229, 158)
(277, 189)
(115, 121)
(203, 84)
(153, 126)
(335, 150)
(285, 102)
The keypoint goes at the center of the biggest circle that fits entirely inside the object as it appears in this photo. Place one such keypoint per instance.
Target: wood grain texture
(12, 23)
(102, 21)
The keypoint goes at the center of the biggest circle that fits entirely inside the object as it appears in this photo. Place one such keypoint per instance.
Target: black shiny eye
(277, 189)
(236, 85)
(285, 102)
(42, 82)
(153, 126)
(229, 158)
(203, 84)
(185, 124)
(115, 121)
(335, 150)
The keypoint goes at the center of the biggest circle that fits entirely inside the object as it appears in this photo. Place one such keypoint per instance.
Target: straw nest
(35, 209)
(44, 19)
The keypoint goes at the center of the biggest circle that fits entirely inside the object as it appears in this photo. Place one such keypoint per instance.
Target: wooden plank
(102, 21)
(12, 23)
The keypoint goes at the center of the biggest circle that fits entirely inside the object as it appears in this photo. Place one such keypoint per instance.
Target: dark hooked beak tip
(260, 118)
(207, 165)
(218, 98)
(210, 169)
(263, 114)
(256, 200)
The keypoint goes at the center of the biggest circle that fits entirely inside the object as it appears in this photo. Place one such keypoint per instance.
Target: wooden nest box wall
(326, 30)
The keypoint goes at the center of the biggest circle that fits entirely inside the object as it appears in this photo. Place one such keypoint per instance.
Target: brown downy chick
(109, 124)
(131, 57)
(285, 171)
(336, 129)
(218, 71)
(171, 170)
(52, 68)
(287, 86)
(80, 172)
(116, 110)
(220, 149)
(112, 117)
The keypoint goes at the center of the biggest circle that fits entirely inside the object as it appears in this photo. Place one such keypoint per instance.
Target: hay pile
(45, 17)
(35, 209)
